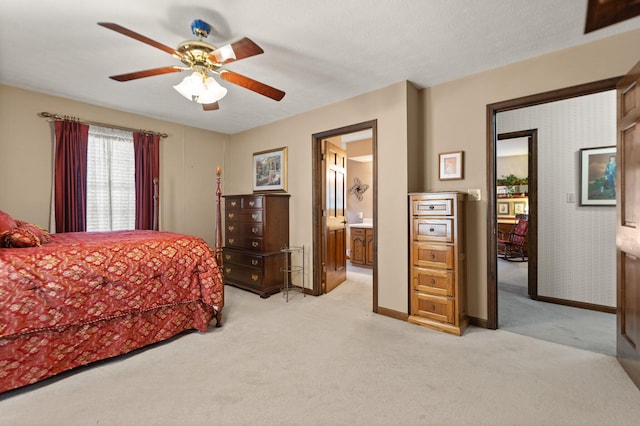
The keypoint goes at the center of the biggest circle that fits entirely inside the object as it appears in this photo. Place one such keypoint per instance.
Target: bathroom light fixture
(201, 88)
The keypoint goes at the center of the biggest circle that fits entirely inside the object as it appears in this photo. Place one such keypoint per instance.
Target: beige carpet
(330, 361)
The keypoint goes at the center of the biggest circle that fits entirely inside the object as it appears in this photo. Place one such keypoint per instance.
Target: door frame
(492, 229)
(532, 233)
(318, 191)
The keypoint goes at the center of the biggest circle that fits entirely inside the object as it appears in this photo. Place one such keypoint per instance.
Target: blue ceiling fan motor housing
(200, 28)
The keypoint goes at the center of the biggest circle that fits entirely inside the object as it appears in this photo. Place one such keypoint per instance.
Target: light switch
(571, 197)
(474, 194)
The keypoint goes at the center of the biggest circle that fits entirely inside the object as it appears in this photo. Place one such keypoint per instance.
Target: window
(111, 199)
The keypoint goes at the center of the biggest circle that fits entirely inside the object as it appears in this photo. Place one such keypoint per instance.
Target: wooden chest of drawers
(256, 228)
(437, 296)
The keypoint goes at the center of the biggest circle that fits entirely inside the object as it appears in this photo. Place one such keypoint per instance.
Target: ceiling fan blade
(210, 107)
(256, 86)
(145, 73)
(124, 31)
(245, 48)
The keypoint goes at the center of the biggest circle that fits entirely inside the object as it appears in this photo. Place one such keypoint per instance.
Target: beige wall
(455, 118)
(364, 172)
(517, 165)
(389, 107)
(188, 158)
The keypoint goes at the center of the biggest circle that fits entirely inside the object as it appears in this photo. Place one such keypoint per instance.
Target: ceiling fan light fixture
(212, 92)
(202, 90)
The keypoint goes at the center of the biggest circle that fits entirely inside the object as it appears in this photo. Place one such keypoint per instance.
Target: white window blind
(111, 199)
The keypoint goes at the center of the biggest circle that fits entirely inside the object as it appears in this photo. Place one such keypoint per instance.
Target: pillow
(6, 222)
(24, 235)
(20, 237)
(42, 234)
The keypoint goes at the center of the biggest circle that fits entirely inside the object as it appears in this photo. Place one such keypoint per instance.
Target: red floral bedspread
(90, 296)
(80, 278)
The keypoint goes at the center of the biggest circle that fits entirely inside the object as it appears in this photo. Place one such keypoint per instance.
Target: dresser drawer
(243, 241)
(437, 308)
(433, 281)
(251, 202)
(432, 255)
(250, 216)
(234, 230)
(244, 202)
(438, 230)
(432, 207)
(242, 273)
(243, 259)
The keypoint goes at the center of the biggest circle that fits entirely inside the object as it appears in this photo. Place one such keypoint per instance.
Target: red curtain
(147, 157)
(72, 139)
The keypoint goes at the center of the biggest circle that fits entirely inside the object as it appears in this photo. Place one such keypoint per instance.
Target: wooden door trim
(318, 200)
(532, 244)
(492, 230)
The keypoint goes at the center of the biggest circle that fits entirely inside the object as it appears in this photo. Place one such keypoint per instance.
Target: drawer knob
(255, 243)
(431, 230)
(252, 203)
(254, 216)
(254, 277)
(227, 270)
(231, 215)
(432, 281)
(431, 207)
(231, 228)
(254, 230)
(228, 257)
(432, 256)
(231, 240)
(233, 203)
(254, 262)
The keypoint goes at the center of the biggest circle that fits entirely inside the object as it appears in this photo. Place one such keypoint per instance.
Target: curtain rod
(70, 118)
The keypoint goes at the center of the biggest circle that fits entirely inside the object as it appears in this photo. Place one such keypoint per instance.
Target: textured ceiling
(318, 52)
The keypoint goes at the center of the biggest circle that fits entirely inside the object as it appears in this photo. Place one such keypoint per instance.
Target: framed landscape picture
(270, 170)
(598, 176)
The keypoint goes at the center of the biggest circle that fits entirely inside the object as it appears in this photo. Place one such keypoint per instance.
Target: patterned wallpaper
(576, 255)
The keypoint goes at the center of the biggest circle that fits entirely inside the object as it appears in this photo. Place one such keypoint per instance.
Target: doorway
(563, 215)
(326, 217)
(517, 157)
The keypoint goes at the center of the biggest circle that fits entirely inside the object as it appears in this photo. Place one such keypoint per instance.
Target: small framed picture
(270, 170)
(520, 207)
(503, 208)
(598, 176)
(451, 165)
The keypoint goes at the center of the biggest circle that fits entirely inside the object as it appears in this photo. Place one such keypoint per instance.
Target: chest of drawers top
(257, 221)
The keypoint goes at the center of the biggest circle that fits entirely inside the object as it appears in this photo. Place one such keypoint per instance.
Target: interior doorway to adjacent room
(557, 217)
(345, 196)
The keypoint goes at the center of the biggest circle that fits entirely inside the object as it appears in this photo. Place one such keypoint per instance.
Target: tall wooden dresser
(256, 229)
(437, 287)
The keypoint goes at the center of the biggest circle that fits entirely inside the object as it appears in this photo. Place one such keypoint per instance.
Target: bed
(79, 297)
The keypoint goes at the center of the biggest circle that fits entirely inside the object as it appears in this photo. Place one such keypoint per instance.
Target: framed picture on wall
(520, 207)
(598, 176)
(270, 170)
(451, 165)
(503, 208)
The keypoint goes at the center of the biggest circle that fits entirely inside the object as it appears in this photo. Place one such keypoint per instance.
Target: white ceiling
(318, 52)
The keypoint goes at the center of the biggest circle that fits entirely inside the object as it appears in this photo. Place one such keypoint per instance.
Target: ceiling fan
(204, 59)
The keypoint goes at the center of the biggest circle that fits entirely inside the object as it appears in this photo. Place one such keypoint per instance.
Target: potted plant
(512, 183)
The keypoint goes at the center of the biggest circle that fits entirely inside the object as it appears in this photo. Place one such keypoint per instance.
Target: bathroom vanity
(361, 253)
